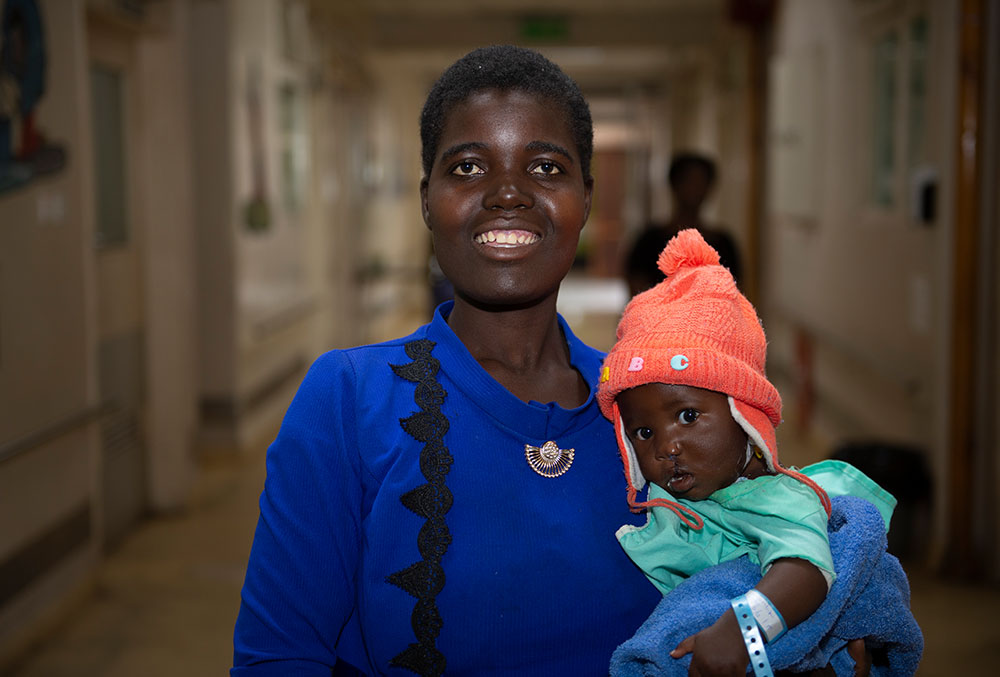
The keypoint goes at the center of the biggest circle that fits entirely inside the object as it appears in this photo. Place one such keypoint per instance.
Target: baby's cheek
(647, 466)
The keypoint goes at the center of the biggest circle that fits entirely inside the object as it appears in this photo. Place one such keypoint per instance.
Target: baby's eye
(688, 416)
(546, 168)
(467, 168)
(642, 434)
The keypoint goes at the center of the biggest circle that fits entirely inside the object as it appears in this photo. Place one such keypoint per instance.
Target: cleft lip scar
(677, 473)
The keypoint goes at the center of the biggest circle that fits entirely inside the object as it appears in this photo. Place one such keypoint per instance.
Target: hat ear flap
(633, 474)
(758, 428)
(761, 432)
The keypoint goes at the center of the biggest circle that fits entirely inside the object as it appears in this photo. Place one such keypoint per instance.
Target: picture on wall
(25, 151)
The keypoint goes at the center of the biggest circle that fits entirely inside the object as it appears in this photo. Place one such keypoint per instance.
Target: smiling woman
(446, 502)
(505, 202)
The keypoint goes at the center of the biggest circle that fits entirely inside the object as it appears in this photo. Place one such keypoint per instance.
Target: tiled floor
(167, 598)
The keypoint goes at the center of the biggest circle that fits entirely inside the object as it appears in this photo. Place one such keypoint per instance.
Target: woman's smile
(506, 238)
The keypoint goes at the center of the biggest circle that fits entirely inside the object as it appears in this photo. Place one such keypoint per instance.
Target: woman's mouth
(506, 238)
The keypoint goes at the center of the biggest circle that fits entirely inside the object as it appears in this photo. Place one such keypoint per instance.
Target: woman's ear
(588, 194)
(424, 210)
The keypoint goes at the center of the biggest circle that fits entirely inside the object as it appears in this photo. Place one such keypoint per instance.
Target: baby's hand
(718, 650)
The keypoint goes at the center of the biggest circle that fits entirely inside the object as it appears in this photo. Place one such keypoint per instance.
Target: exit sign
(544, 28)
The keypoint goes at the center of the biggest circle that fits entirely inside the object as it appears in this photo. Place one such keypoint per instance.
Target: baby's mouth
(509, 238)
(680, 481)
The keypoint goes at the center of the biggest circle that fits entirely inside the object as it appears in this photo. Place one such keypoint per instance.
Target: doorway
(117, 249)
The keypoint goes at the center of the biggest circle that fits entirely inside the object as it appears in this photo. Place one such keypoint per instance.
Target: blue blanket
(869, 599)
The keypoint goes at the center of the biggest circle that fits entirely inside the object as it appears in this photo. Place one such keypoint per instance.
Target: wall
(166, 156)
(52, 510)
(275, 209)
(396, 244)
(707, 94)
(210, 102)
(988, 431)
(862, 288)
(47, 373)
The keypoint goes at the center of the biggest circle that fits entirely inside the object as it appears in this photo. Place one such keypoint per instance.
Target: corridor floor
(166, 598)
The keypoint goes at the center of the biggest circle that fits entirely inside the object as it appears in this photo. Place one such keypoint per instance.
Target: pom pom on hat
(687, 249)
(695, 328)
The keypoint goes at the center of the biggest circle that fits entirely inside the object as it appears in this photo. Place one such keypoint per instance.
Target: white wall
(50, 311)
(166, 157)
(396, 240)
(869, 285)
(47, 370)
(270, 299)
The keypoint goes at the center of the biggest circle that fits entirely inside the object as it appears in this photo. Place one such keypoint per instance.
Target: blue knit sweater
(513, 573)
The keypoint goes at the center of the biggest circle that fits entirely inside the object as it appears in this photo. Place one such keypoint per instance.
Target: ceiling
(597, 41)
(430, 23)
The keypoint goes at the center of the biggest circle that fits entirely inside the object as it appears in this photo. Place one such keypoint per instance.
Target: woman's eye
(467, 168)
(546, 168)
(643, 434)
(688, 416)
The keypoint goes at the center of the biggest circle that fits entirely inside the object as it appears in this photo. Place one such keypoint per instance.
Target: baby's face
(685, 438)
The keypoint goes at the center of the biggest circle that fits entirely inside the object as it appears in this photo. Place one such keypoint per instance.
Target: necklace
(548, 460)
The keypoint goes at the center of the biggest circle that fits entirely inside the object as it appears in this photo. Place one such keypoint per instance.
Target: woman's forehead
(514, 105)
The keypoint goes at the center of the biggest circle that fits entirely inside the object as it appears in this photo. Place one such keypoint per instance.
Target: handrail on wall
(52, 431)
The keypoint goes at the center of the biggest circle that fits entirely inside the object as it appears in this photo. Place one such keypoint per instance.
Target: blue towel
(869, 599)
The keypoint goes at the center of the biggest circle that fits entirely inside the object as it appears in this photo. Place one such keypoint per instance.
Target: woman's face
(685, 438)
(506, 199)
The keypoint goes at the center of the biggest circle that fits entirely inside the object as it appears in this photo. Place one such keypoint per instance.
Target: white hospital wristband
(771, 623)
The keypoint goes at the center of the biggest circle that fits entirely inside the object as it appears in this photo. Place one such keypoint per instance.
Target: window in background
(108, 120)
(884, 116)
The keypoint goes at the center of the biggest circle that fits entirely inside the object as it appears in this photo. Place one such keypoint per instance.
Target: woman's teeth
(507, 237)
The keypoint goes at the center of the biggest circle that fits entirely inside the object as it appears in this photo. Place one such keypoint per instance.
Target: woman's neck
(522, 348)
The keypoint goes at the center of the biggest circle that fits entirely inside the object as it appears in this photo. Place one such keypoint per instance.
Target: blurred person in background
(691, 177)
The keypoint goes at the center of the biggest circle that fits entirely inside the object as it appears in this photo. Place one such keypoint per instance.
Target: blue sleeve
(300, 581)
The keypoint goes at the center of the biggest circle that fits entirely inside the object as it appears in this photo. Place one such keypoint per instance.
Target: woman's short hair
(504, 68)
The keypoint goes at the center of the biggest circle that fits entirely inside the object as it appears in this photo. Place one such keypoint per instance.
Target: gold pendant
(548, 460)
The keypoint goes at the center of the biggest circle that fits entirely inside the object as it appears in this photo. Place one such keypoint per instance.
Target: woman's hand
(718, 650)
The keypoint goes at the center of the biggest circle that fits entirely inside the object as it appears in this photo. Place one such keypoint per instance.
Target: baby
(695, 416)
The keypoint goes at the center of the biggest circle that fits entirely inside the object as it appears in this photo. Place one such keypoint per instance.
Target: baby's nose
(667, 452)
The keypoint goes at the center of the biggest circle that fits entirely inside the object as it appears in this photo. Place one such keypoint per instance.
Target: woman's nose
(507, 192)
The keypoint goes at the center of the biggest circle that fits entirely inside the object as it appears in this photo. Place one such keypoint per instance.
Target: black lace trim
(425, 579)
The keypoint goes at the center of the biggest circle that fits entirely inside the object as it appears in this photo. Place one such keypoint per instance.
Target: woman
(448, 501)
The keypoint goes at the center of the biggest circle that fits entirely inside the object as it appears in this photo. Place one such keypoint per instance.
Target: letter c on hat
(679, 362)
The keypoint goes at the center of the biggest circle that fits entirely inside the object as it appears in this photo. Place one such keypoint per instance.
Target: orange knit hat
(695, 328)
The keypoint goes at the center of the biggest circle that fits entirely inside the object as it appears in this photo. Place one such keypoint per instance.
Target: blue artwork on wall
(25, 152)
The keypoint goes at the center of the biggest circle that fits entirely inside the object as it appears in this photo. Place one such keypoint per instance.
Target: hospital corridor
(199, 198)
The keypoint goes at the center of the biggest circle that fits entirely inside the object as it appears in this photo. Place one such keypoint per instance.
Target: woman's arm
(299, 587)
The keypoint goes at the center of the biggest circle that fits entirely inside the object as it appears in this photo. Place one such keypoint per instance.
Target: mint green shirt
(766, 518)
